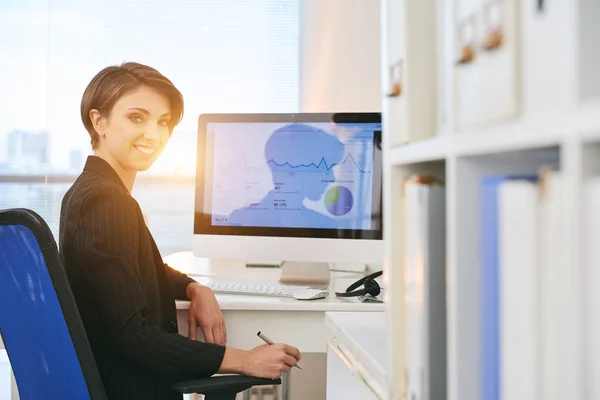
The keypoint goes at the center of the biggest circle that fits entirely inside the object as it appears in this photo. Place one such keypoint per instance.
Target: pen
(268, 341)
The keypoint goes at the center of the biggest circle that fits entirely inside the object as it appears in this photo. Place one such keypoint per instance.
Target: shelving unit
(562, 132)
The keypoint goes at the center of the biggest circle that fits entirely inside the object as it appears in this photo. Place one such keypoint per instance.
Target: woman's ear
(98, 121)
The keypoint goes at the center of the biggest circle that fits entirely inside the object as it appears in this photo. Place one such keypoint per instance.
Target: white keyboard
(255, 289)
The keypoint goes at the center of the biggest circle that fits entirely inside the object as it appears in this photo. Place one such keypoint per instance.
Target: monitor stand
(315, 274)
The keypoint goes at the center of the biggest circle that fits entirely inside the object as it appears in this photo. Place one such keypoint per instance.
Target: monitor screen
(299, 175)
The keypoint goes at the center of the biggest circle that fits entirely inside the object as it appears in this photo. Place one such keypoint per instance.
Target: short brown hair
(110, 84)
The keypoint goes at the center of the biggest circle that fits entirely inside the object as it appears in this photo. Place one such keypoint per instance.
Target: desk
(298, 323)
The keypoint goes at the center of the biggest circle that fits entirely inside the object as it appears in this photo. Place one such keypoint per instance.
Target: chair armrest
(221, 383)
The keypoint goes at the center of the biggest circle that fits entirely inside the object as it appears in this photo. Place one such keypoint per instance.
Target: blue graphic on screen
(293, 175)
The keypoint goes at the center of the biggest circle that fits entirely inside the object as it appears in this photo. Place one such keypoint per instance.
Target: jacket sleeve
(110, 241)
(178, 281)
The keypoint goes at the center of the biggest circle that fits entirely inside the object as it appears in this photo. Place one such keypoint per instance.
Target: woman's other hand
(205, 313)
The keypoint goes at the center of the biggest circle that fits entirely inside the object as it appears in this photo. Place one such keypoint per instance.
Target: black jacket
(125, 293)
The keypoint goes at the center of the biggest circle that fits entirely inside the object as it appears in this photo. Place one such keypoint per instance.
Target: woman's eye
(136, 118)
(163, 122)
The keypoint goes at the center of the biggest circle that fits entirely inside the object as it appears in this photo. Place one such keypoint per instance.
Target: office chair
(41, 327)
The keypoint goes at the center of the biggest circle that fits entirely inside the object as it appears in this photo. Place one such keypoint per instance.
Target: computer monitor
(289, 187)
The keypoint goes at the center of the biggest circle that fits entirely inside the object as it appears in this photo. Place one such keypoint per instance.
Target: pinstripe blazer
(124, 291)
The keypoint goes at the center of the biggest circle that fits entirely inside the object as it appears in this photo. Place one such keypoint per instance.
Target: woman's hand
(205, 313)
(270, 360)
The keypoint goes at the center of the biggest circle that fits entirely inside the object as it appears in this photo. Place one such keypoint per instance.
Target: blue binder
(490, 309)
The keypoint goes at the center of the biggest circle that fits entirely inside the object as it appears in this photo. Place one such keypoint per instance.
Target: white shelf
(432, 149)
(546, 131)
(510, 137)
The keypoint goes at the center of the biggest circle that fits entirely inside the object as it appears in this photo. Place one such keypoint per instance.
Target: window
(224, 56)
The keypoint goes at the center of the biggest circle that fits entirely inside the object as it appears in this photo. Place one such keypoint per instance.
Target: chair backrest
(39, 320)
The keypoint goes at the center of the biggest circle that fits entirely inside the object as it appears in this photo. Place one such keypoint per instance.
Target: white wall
(340, 70)
(340, 56)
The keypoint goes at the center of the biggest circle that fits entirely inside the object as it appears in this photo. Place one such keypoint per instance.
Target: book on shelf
(524, 332)
(425, 282)
(591, 279)
(553, 305)
(412, 76)
(490, 286)
(518, 209)
(487, 62)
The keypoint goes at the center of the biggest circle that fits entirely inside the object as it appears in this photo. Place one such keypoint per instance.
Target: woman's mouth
(145, 149)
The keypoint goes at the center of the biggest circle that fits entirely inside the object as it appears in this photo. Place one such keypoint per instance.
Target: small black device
(370, 287)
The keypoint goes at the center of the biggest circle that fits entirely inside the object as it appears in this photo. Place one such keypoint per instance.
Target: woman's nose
(152, 133)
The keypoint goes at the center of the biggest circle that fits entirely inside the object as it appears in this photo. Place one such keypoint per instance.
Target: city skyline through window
(224, 56)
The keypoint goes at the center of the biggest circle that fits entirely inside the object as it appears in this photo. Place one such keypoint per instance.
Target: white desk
(298, 323)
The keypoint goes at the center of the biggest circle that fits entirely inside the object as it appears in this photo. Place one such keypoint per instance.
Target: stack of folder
(424, 257)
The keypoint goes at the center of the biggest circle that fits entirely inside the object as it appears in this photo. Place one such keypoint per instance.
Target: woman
(124, 291)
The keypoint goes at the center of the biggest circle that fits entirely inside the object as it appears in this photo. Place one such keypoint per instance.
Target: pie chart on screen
(338, 201)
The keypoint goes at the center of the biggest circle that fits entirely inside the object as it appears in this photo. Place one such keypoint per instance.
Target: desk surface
(203, 270)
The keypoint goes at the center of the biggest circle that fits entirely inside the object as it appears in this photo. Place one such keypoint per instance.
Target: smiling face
(135, 131)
